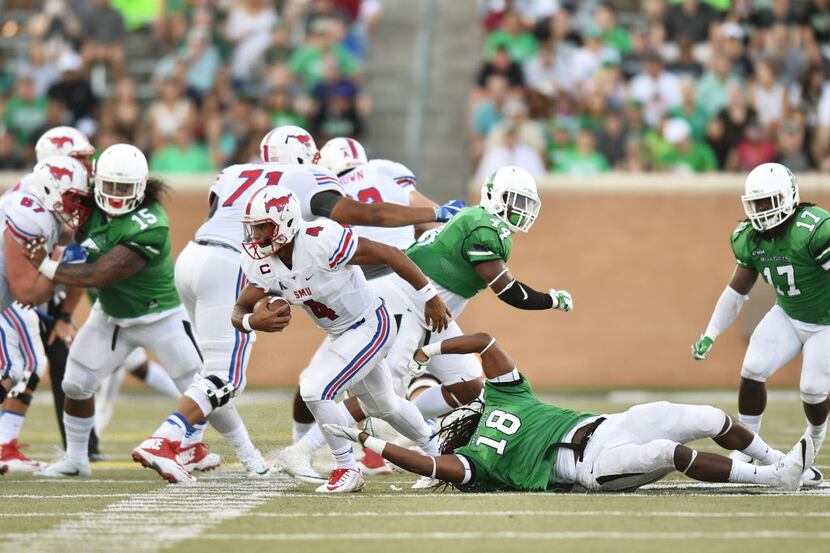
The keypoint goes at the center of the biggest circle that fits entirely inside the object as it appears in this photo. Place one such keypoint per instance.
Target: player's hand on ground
(266, 319)
(64, 331)
(700, 349)
(340, 431)
(444, 213)
(36, 250)
(418, 364)
(437, 314)
(562, 300)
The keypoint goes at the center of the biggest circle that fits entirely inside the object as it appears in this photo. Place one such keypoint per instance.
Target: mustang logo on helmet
(60, 172)
(277, 203)
(61, 141)
(303, 139)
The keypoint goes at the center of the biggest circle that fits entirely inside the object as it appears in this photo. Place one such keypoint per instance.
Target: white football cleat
(743, 457)
(812, 477)
(160, 455)
(788, 471)
(295, 460)
(196, 457)
(13, 458)
(343, 481)
(425, 483)
(254, 464)
(65, 467)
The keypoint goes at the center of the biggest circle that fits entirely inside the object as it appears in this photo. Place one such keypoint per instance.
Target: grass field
(125, 508)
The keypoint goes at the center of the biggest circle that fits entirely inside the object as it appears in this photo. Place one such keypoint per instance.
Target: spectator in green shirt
(25, 111)
(512, 35)
(182, 156)
(691, 111)
(612, 34)
(684, 154)
(307, 60)
(138, 13)
(582, 160)
(713, 89)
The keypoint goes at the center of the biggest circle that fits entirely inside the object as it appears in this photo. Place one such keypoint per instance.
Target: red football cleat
(196, 457)
(13, 459)
(159, 454)
(373, 464)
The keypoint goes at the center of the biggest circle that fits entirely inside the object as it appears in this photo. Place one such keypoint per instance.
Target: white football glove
(341, 431)
(562, 300)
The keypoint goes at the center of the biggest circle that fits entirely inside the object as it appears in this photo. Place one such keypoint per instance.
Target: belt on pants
(215, 244)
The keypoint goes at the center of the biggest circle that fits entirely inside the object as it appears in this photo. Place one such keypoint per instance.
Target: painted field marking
(661, 514)
(592, 535)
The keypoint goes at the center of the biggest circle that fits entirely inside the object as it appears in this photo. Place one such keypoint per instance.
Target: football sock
(77, 437)
(431, 403)
(817, 433)
(195, 434)
(745, 473)
(174, 428)
(299, 429)
(227, 421)
(10, 423)
(315, 439)
(407, 420)
(344, 458)
(159, 380)
(761, 450)
(105, 399)
(752, 421)
(326, 411)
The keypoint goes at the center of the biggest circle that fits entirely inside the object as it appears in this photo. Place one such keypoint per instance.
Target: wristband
(427, 292)
(374, 444)
(65, 317)
(246, 322)
(48, 267)
(431, 350)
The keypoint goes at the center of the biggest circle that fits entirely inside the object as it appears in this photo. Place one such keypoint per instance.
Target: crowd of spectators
(581, 88)
(219, 75)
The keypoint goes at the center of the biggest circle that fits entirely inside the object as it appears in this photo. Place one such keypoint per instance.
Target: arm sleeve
(24, 222)
(322, 203)
(483, 244)
(726, 311)
(522, 296)
(149, 244)
(337, 243)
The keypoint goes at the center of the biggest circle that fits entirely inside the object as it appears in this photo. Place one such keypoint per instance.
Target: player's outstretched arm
(246, 319)
(517, 294)
(27, 286)
(119, 263)
(726, 310)
(416, 199)
(444, 467)
(381, 214)
(369, 252)
(494, 360)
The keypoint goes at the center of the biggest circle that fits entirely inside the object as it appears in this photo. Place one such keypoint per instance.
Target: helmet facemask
(117, 198)
(74, 209)
(767, 210)
(520, 210)
(262, 239)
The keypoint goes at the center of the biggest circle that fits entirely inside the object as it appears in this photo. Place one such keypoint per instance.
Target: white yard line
(592, 535)
(658, 514)
(152, 520)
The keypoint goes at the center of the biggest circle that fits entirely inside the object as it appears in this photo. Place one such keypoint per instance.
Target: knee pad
(813, 395)
(210, 388)
(75, 390)
(709, 420)
(756, 367)
(659, 452)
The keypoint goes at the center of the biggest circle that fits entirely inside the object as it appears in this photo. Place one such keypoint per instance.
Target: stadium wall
(645, 258)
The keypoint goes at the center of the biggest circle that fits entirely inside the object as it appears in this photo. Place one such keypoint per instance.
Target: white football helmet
(771, 196)
(62, 186)
(510, 194)
(271, 220)
(120, 179)
(341, 154)
(63, 141)
(290, 145)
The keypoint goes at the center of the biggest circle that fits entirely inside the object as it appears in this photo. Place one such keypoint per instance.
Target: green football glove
(562, 300)
(701, 348)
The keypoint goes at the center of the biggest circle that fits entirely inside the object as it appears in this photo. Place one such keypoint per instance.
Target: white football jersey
(25, 218)
(335, 294)
(399, 172)
(373, 183)
(235, 184)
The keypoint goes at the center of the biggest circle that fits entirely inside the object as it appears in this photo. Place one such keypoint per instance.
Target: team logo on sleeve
(277, 203)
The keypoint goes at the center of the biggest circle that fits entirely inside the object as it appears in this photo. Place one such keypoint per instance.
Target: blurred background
(639, 119)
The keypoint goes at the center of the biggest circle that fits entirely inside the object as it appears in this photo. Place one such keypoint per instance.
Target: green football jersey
(146, 232)
(512, 448)
(447, 255)
(795, 264)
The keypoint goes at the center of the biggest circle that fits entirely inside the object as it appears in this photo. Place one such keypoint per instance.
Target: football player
(787, 242)
(313, 264)
(517, 442)
(127, 243)
(55, 194)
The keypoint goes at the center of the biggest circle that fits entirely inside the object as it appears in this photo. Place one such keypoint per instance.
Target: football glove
(418, 368)
(562, 300)
(700, 349)
(73, 253)
(341, 431)
(444, 213)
